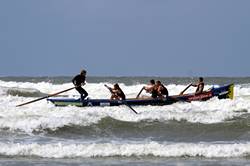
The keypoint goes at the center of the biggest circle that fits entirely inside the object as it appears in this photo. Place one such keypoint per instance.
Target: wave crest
(60, 150)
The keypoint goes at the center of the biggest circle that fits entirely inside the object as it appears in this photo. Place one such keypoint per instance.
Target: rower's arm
(195, 85)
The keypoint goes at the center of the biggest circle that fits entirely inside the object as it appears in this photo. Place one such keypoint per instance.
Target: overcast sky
(125, 37)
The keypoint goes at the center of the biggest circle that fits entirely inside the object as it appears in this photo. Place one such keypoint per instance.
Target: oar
(108, 88)
(139, 92)
(54, 94)
(123, 101)
(185, 89)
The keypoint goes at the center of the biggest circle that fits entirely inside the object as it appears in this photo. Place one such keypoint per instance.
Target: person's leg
(82, 92)
(85, 93)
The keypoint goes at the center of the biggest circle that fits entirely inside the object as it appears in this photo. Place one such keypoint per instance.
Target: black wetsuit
(121, 94)
(164, 91)
(77, 81)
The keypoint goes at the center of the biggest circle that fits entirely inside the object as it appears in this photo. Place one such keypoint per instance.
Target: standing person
(116, 92)
(150, 88)
(78, 81)
(161, 90)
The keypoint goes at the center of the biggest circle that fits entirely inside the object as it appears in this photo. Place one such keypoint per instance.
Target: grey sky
(125, 37)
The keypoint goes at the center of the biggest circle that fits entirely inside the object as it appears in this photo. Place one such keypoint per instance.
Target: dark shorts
(154, 94)
(82, 92)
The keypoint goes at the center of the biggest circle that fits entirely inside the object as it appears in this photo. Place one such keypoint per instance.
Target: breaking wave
(45, 116)
(61, 150)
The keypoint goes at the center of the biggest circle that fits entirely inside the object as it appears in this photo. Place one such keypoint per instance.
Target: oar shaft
(54, 94)
(60, 92)
(185, 88)
(125, 103)
(32, 101)
(139, 92)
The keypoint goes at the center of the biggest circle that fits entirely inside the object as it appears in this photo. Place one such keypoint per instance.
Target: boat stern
(231, 91)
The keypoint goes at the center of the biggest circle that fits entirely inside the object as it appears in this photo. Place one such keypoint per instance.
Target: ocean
(214, 132)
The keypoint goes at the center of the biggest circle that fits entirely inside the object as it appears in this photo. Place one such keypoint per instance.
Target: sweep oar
(54, 94)
(123, 101)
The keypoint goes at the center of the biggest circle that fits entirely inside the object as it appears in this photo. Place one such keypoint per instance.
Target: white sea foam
(62, 150)
(97, 90)
(43, 115)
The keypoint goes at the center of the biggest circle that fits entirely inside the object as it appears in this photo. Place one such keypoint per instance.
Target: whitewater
(213, 129)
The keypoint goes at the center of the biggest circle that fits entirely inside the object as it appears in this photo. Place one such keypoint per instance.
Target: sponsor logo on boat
(105, 104)
(223, 93)
(200, 97)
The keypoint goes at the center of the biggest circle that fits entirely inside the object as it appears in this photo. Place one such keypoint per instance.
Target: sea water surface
(215, 132)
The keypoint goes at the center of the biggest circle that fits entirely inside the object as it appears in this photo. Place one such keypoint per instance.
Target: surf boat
(222, 92)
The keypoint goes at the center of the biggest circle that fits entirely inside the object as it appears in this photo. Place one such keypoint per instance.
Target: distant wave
(92, 150)
(25, 92)
(96, 90)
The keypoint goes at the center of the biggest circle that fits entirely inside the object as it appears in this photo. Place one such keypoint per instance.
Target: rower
(199, 85)
(150, 88)
(162, 91)
(116, 92)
